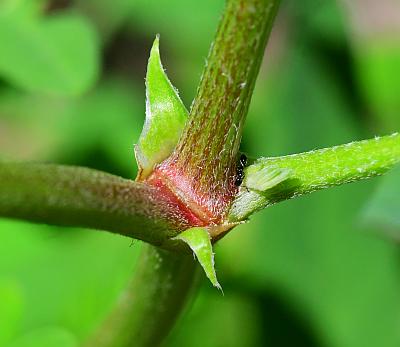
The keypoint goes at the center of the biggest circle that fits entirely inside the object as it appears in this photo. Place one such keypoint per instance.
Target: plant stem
(206, 155)
(88, 198)
(149, 307)
(318, 170)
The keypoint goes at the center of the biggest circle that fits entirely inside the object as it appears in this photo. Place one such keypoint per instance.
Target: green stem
(149, 307)
(206, 154)
(317, 170)
(83, 197)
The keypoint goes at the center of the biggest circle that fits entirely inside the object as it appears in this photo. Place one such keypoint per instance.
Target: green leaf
(199, 241)
(117, 13)
(238, 313)
(23, 8)
(28, 298)
(383, 210)
(165, 116)
(54, 54)
(10, 310)
(378, 67)
(46, 337)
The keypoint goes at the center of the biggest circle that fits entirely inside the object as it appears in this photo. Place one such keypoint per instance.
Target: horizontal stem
(149, 307)
(81, 197)
(317, 170)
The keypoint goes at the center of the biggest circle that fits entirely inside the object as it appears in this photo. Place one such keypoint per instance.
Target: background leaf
(382, 212)
(11, 307)
(46, 337)
(55, 54)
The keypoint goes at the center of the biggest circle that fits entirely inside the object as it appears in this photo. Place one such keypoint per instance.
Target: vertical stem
(149, 307)
(206, 154)
(201, 172)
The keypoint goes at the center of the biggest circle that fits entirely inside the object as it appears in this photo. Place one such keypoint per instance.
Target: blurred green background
(323, 270)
